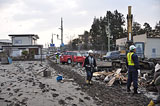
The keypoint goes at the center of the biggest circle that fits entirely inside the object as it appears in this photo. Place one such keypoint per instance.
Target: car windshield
(108, 54)
(65, 53)
(71, 53)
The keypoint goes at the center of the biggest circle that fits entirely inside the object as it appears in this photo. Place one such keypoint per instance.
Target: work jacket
(132, 61)
(87, 64)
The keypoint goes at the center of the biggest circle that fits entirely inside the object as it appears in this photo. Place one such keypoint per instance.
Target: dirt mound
(103, 95)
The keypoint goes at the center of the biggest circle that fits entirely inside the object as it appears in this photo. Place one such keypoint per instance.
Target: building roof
(5, 41)
(24, 46)
(22, 35)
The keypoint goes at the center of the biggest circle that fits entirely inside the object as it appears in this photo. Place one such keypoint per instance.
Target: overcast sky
(42, 17)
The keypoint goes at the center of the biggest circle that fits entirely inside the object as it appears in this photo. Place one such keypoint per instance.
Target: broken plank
(110, 83)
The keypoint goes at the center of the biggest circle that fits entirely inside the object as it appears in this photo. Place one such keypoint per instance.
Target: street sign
(62, 45)
(52, 45)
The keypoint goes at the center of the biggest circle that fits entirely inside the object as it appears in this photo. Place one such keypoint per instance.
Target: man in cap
(90, 66)
(133, 67)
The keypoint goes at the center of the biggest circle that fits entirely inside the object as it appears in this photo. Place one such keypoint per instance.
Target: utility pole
(129, 27)
(109, 35)
(108, 32)
(52, 43)
(61, 30)
(52, 39)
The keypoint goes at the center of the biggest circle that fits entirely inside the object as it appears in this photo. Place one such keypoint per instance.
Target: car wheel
(69, 61)
(63, 62)
(109, 60)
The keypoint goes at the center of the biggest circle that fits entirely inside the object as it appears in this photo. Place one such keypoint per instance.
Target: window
(18, 42)
(108, 54)
(153, 53)
(74, 54)
(69, 53)
(78, 54)
(153, 50)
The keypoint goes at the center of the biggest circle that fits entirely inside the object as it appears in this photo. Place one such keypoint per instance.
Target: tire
(69, 61)
(109, 60)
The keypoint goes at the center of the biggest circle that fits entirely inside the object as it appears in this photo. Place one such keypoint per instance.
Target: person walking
(133, 68)
(90, 66)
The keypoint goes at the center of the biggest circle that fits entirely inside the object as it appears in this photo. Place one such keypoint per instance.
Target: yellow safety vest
(129, 59)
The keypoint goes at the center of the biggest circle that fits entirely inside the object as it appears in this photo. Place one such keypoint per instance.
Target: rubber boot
(135, 91)
(128, 89)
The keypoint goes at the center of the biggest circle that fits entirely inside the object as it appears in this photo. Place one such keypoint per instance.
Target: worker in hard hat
(156, 102)
(133, 67)
(90, 66)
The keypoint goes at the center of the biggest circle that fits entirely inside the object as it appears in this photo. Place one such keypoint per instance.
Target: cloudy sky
(42, 17)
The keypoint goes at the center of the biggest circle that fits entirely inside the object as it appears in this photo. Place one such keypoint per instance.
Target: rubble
(111, 77)
(25, 83)
(102, 94)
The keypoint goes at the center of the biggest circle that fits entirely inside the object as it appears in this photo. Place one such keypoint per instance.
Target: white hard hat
(132, 47)
(90, 51)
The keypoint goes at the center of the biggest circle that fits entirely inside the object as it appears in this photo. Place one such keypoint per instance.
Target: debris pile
(102, 94)
(111, 77)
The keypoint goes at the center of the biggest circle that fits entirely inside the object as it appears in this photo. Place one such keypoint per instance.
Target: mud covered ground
(22, 84)
(102, 95)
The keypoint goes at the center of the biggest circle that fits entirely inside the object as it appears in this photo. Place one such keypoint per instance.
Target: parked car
(113, 55)
(72, 56)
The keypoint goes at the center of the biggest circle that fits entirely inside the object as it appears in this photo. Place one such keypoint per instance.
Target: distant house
(24, 42)
(151, 45)
(5, 42)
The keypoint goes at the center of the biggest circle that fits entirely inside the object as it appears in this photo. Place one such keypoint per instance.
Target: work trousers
(132, 77)
(89, 73)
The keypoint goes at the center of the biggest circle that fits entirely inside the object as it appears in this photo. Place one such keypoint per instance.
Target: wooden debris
(116, 75)
(95, 74)
(42, 70)
(111, 77)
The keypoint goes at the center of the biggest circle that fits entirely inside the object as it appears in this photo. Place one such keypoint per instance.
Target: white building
(4, 42)
(151, 45)
(24, 42)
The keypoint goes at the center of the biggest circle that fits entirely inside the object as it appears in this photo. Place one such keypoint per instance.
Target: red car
(71, 56)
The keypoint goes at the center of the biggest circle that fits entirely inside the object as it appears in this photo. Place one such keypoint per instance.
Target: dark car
(113, 55)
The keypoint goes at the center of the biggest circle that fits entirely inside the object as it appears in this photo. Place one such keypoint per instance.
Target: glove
(96, 68)
(139, 72)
